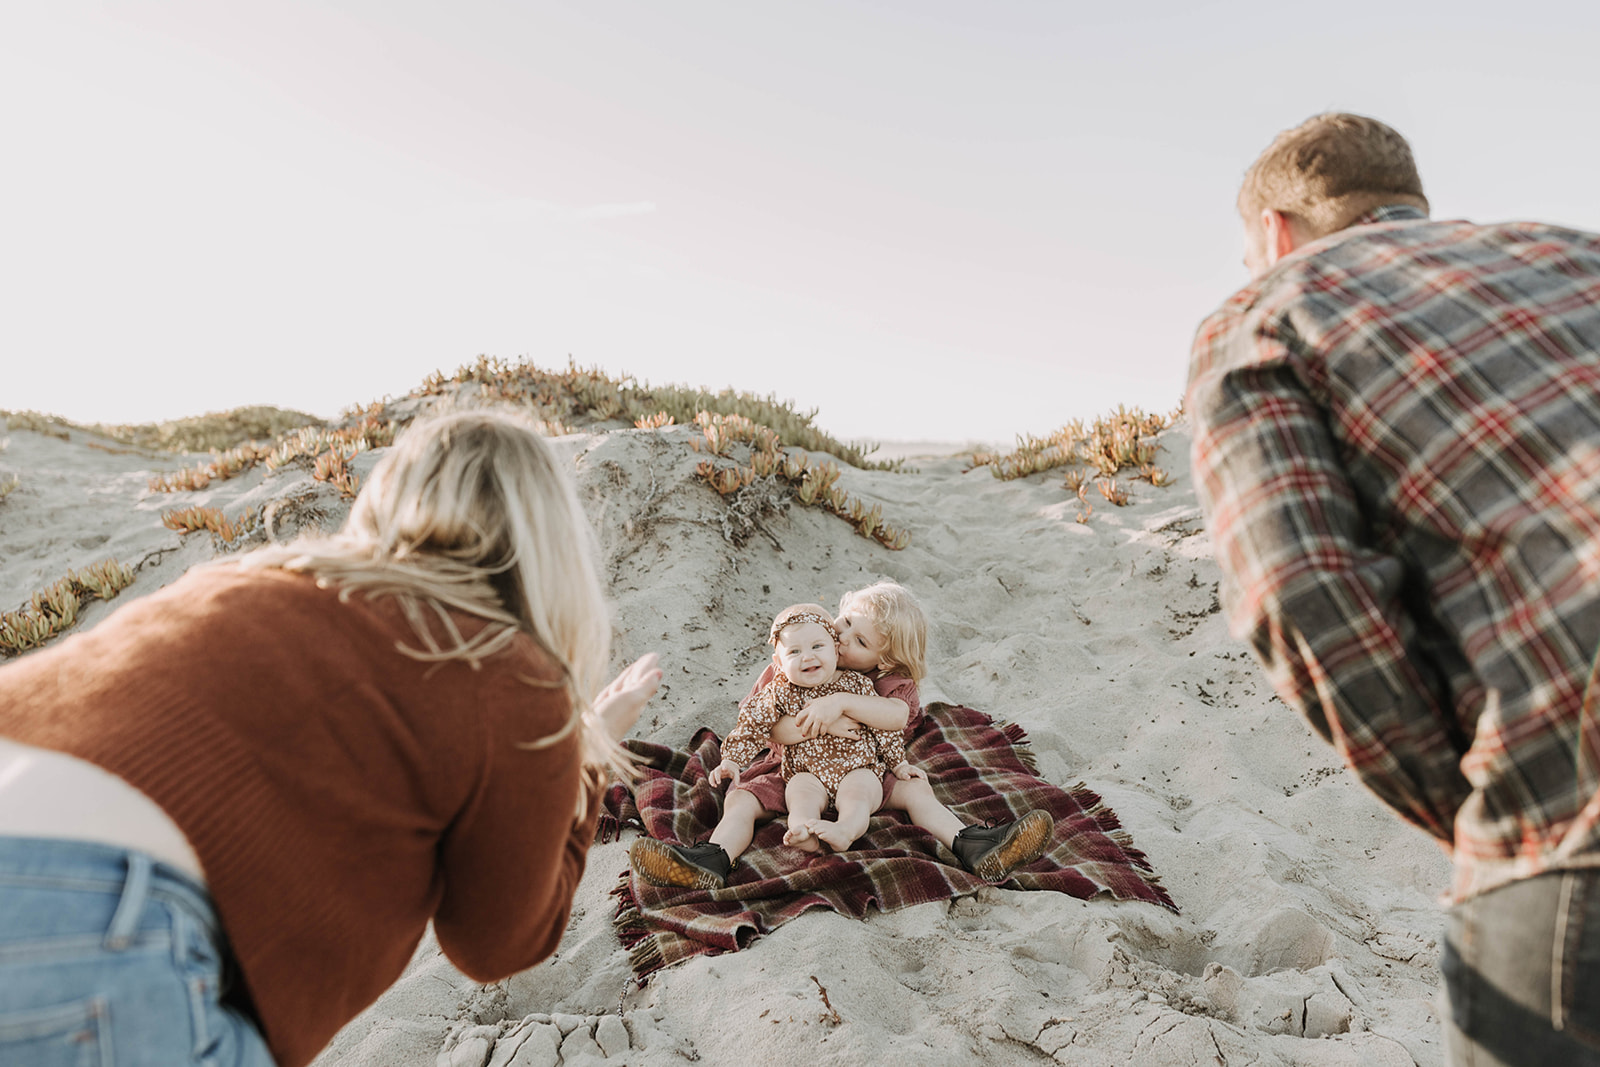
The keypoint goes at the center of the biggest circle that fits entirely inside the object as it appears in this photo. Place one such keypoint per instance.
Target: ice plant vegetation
(214, 432)
(223, 465)
(55, 608)
(188, 520)
(778, 469)
(778, 438)
(1108, 444)
(333, 467)
(1098, 451)
(1112, 491)
(311, 443)
(562, 398)
(49, 425)
(218, 431)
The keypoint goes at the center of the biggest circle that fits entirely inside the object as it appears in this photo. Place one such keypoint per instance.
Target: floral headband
(787, 619)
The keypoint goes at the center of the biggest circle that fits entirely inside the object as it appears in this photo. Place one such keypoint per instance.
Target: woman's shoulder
(232, 587)
(294, 605)
(212, 600)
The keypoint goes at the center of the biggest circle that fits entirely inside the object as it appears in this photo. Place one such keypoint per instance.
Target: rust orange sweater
(338, 793)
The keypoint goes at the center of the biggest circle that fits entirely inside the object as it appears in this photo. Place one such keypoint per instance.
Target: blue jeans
(1521, 971)
(108, 957)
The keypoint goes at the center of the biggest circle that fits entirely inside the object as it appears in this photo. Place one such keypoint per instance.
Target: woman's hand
(905, 772)
(816, 718)
(726, 771)
(617, 706)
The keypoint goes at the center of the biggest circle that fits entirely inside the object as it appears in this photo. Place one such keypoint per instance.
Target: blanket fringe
(627, 918)
(644, 959)
(1014, 733)
(644, 950)
(1021, 747)
(1106, 819)
(1094, 807)
(607, 829)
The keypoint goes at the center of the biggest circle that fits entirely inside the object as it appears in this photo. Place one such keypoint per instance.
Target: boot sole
(657, 864)
(1023, 844)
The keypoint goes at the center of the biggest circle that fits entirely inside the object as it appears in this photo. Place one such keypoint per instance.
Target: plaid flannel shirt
(1397, 444)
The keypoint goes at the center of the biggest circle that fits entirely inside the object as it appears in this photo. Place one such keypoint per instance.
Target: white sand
(1309, 932)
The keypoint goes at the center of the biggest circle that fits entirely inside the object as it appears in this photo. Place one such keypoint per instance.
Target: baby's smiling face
(807, 655)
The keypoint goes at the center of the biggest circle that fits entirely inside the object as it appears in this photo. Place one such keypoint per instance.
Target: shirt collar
(1390, 213)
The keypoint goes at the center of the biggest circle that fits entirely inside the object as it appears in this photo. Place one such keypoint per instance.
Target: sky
(927, 220)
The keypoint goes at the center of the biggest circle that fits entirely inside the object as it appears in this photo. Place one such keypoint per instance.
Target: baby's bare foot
(833, 835)
(799, 836)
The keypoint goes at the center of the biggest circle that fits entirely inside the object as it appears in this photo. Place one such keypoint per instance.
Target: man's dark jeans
(1522, 973)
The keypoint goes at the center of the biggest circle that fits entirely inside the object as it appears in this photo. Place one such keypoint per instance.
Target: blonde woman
(228, 812)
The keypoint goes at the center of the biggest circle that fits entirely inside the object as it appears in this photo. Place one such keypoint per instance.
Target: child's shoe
(993, 852)
(703, 866)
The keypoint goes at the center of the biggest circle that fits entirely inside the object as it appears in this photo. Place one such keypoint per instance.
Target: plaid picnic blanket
(983, 770)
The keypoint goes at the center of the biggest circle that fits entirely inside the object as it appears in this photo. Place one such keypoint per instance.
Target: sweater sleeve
(512, 859)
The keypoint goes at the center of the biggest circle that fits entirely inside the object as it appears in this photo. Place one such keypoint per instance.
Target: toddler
(842, 770)
(883, 633)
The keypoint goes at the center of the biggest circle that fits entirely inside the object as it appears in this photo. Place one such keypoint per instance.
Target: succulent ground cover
(761, 457)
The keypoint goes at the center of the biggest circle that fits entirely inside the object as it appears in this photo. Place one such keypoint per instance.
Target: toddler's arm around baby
(874, 712)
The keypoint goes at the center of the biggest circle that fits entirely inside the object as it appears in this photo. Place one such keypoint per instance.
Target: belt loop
(135, 891)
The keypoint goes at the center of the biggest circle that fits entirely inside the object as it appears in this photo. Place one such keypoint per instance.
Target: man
(1397, 445)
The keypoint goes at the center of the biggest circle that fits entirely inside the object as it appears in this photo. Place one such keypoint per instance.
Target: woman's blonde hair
(473, 511)
(898, 617)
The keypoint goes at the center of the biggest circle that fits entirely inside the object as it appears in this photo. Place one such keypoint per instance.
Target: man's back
(1398, 439)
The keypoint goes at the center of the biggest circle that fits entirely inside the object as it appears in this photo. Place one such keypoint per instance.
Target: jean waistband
(135, 876)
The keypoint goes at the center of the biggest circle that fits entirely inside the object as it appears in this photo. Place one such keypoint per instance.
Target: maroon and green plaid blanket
(982, 770)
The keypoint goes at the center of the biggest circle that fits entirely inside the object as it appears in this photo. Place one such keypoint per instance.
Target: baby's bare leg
(740, 813)
(805, 796)
(914, 796)
(858, 797)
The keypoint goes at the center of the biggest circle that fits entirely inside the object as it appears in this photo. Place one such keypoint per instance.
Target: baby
(842, 771)
(884, 634)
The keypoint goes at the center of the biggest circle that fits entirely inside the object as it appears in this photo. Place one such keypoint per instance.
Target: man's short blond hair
(1329, 171)
(899, 618)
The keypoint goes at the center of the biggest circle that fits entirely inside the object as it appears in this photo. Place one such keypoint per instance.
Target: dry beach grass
(1309, 928)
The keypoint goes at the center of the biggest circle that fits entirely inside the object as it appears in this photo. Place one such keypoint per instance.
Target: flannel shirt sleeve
(752, 732)
(1321, 608)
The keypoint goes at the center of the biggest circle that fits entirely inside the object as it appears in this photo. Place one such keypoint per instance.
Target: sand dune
(1309, 932)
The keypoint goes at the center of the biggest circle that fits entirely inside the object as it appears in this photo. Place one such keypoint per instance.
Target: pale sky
(927, 219)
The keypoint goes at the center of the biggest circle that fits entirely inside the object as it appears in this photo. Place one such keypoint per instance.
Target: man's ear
(1282, 236)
